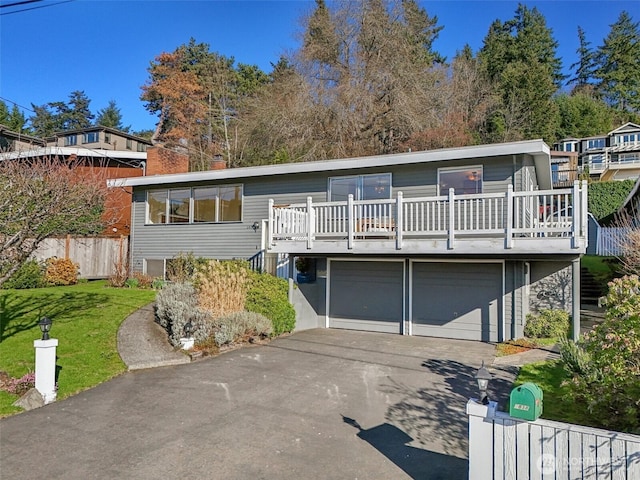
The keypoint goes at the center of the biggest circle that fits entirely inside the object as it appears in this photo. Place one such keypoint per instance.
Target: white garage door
(456, 300)
(366, 295)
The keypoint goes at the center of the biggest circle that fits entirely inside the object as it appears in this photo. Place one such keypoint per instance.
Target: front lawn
(85, 317)
(556, 404)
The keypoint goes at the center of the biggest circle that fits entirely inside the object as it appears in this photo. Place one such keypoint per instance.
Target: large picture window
(195, 205)
(463, 180)
(362, 187)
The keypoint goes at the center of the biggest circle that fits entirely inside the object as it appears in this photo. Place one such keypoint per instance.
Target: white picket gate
(504, 448)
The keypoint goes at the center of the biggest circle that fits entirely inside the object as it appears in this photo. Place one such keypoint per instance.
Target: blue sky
(104, 47)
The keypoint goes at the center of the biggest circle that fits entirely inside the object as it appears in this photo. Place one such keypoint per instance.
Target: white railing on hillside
(504, 448)
(532, 214)
(610, 241)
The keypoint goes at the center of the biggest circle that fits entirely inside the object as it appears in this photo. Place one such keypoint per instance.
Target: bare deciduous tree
(45, 197)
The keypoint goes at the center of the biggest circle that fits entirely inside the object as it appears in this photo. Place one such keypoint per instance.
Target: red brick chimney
(161, 160)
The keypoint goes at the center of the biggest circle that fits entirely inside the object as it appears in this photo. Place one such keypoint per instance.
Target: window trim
(85, 137)
(191, 221)
(359, 183)
(68, 140)
(464, 168)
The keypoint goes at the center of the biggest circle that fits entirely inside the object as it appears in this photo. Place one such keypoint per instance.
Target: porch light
(188, 329)
(45, 327)
(255, 226)
(483, 376)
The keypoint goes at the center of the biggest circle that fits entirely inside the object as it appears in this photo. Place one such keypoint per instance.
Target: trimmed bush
(29, 275)
(549, 323)
(269, 296)
(61, 271)
(176, 304)
(606, 197)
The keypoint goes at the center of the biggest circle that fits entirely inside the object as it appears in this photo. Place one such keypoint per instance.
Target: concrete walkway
(142, 343)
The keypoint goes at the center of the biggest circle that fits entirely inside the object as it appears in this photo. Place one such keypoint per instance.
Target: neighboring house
(100, 138)
(11, 141)
(614, 156)
(564, 163)
(459, 243)
(135, 157)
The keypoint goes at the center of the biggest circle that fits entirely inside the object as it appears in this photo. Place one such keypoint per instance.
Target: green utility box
(526, 402)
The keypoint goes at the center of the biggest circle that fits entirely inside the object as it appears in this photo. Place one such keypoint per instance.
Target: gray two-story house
(457, 243)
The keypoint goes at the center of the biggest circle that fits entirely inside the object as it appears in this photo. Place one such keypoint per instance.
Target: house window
(179, 205)
(154, 268)
(107, 137)
(91, 137)
(464, 180)
(70, 140)
(362, 187)
(141, 147)
(197, 205)
(596, 143)
(157, 206)
(129, 144)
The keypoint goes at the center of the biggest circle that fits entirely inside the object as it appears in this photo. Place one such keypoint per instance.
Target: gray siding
(238, 240)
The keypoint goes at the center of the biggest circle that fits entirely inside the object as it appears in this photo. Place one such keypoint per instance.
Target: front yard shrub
(222, 287)
(269, 296)
(20, 386)
(144, 280)
(60, 271)
(606, 376)
(548, 323)
(29, 275)
(183, 267)
(176, 304)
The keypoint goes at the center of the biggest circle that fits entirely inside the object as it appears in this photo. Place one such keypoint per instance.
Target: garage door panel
(366, 295)
(456, 300)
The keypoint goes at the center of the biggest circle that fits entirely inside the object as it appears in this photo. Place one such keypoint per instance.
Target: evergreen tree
(44, 121)
(582, 115)
(520, 61)
(110, 116)
(585, 66)
(77, 114)
(618, 65)
(14, 120)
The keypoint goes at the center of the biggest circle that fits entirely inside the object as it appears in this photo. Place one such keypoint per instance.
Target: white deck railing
(510, 215)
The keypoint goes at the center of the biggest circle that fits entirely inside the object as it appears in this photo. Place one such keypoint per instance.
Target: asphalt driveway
(325, 404)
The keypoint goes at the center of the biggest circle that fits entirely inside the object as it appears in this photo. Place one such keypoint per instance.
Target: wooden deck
(549, 221)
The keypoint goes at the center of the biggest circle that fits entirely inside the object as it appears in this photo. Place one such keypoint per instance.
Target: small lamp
(255, 226)
(188, 329)
(45, 327)
(483, 376)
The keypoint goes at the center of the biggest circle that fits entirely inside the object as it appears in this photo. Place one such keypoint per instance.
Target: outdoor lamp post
(187, 340)
(188, 329)
(45, 327)
(483, 376)
(46, 362)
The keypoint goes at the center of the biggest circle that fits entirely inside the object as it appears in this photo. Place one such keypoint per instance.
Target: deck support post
(452, 220)
(310, 223)
(270, 226)
(399, 221)
(350, 214)
(509, 220)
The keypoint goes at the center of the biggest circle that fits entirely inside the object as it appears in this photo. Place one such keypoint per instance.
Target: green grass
(602, 268)
(556, 403)
(85, 317)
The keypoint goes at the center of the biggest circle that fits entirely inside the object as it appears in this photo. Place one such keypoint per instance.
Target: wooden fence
(96, 256)
(504, 448)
